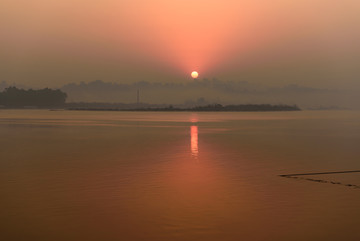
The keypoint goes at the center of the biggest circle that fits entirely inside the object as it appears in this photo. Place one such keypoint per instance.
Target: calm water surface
(67, 175)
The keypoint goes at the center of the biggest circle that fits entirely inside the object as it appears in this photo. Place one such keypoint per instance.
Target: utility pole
(138, 97)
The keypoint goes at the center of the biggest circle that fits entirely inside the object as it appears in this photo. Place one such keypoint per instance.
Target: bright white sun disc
(194, 74)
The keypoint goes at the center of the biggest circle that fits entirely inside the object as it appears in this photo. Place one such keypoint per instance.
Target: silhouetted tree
(14, 97)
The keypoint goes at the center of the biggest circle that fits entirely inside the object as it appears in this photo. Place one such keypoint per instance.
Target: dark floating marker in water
(297, 176)
(317, 173)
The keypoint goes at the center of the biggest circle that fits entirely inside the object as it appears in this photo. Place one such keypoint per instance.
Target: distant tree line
(13, 97)
(248, 107)
(210, 108)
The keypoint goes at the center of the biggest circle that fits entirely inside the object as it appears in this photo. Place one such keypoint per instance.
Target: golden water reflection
(194, 141)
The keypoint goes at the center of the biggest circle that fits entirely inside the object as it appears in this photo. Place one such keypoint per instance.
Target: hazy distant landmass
(13, 97)
(203, 92)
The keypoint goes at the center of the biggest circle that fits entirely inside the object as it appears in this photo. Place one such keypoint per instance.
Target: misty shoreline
(207, 108)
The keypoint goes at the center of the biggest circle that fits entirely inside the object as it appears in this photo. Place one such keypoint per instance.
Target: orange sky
(50, 43)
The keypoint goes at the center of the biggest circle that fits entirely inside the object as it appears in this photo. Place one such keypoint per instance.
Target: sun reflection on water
(194, 141)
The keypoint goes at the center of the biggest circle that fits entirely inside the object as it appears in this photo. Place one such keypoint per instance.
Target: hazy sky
(307, 42)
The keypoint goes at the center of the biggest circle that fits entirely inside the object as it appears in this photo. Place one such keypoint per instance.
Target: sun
(194, 74)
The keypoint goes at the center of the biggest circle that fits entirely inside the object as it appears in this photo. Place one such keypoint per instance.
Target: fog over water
(134, 176)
